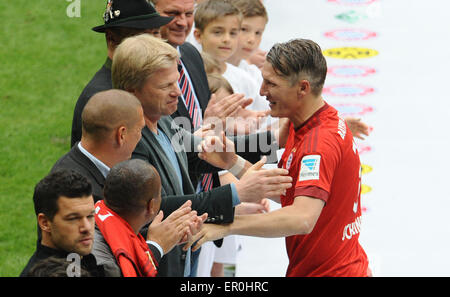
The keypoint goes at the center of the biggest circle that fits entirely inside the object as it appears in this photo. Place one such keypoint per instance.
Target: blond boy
(217, 29)
(252, 28)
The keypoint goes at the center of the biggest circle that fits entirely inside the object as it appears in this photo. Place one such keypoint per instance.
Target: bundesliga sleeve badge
(310, 168)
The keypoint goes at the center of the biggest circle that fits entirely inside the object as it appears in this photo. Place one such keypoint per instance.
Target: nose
(251, 39)
(262, 90)
(176, 90)
(181, 20)
(86, 224)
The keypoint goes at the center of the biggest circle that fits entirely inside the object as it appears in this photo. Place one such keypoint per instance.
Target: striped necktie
(194, 114)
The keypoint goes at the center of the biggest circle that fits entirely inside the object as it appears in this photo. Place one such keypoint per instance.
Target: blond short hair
(211, 64)
(211, 10)
(137, 58)
(217, 81)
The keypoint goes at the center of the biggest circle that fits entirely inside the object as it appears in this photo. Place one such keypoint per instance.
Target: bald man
(112, 121)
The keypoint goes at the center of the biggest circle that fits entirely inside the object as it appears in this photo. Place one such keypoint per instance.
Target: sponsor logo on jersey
(310, 168)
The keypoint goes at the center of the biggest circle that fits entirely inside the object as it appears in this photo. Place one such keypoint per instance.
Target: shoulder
(189, 49)
(68, 161)
(104, 256)
(100, 82)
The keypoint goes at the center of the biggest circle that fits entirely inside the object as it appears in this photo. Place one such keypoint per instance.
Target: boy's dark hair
(299, 59)
(67, 183)
(210, 10)
(130, 185)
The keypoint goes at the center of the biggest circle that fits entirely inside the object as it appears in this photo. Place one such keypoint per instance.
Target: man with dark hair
(132, 200)
(64, 209)
(321, 213)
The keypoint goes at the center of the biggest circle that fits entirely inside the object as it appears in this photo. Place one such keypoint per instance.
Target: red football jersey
(323, 161)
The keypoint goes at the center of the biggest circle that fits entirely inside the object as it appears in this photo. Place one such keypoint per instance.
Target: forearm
(278, 223)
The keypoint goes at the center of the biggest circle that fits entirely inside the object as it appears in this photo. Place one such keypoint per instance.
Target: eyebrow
(77, 214)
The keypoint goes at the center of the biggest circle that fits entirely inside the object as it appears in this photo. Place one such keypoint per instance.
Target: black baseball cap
(138, 14)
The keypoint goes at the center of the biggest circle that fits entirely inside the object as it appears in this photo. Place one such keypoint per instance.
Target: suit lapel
(166, 126)
(163, 164)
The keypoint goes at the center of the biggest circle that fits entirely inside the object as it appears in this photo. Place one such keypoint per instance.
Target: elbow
(304, 225)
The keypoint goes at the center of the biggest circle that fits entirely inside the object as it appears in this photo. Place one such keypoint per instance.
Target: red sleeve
(127, 267)
(312, 191)
(317, 168)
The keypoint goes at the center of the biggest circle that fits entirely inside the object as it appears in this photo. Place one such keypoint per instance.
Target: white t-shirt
(242, 82)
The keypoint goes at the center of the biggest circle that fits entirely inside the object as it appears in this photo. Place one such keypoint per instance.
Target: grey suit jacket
(217, 202)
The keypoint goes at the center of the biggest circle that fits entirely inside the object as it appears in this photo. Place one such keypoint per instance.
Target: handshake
(254, 184)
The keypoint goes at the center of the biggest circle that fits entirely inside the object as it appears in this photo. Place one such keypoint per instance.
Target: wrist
(238, 167)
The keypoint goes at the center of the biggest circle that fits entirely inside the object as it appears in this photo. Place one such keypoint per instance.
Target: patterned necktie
(194, 113)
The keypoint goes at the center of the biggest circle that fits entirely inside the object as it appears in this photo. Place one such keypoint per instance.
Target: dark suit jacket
(100, 82)
(78, 161)
(193, 63)
(217, 203)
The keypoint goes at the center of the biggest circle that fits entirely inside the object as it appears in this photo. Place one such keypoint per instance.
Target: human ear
(304, 88)
(198, 35)
(120, 135)
(44, 223)
(153, 208)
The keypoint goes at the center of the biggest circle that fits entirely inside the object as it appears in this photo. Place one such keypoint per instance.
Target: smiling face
(159, 94)
(72, 227)
(179, 28)
(283, 97)
(220, 37)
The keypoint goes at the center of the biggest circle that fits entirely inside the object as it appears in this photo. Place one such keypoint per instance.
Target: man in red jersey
(321, 213)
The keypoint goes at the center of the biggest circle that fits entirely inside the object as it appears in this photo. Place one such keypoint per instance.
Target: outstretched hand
(357, 127)
(258, 183)
(217, 151)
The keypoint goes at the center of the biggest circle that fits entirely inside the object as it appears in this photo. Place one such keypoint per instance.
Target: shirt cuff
(234, 195)
(157, 246)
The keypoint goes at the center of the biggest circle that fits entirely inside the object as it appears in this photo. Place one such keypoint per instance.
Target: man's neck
(97, 151)
(152, 124)
(310, 107)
